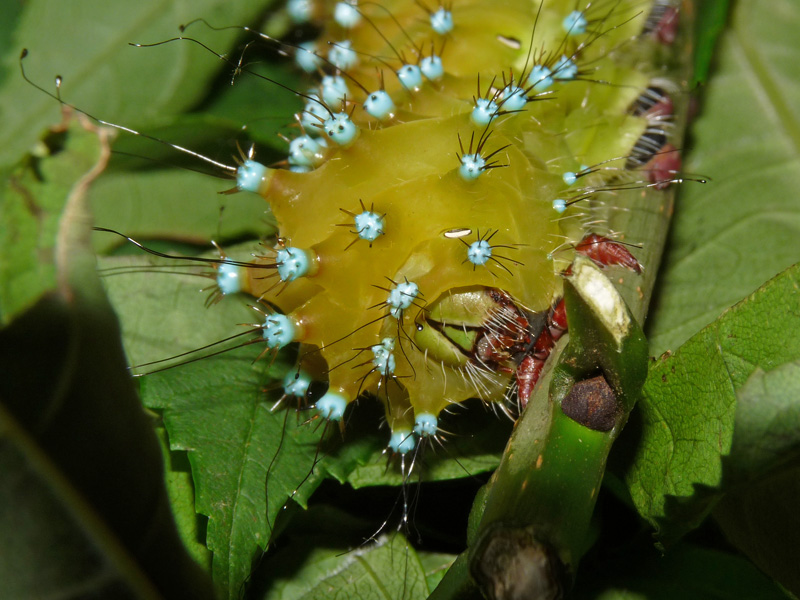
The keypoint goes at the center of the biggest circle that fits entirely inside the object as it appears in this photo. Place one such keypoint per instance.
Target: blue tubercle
(296, 383)
(402, 441)
(442, 21)
(346, 14)
(299, 11)
(559, 205)
(331, 406)
(342, 55)
(384, 356)
(334, 90)
(306, 57)
(379, 105)
(472, 165)
(540, 78)
(314, 111)
(369, 225)
(479, 252)
(570, 177)
(340, 129)
(432, 67)
(513, 98)
(292, 263)
(425, 424)
(410, 77)
(278, 331)
(305, 151)
(575, 23)
(229, 278)
(484, 112)
(565, 69)
(401, 297)
(250, 175)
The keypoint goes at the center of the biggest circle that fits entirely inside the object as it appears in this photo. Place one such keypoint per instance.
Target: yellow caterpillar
(428, 148)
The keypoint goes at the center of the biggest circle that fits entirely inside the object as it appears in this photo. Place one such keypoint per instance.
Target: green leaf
(257, 103)
(712, 15)
(107, 77)
(32, 198)
(73, 436)
(373, 572)
(175, 205)
(759, 513)
(180, 489)
(326, 556)
(761, 520)
(690, 404)
(246, 459)
(741, 228)
(767, 432)
(435, 565)
(161, 308)
(149, 86)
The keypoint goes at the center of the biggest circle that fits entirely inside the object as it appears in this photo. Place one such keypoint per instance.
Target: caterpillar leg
(530, 369)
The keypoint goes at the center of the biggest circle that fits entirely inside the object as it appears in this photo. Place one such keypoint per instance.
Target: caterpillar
(432, 204)
(385, 270)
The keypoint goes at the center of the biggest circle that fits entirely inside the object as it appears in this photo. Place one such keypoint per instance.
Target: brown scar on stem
(592, 403)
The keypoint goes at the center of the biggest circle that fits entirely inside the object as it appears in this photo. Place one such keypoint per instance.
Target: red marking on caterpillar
(663, 21)
(664, 166)
(605, 252)
(667, 28)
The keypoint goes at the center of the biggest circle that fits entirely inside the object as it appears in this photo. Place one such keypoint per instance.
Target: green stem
(542, 495)
(530, 526)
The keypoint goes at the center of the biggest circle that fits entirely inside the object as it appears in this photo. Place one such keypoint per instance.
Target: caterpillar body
(395, 221)
(445, 172)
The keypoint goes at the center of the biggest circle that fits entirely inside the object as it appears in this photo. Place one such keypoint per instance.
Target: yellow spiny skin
(405, 168)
